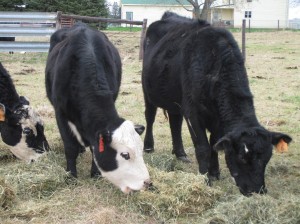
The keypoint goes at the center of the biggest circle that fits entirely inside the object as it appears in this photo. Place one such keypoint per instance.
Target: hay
(39, 179)
(7, 195)
(256, 209)
(176, 194)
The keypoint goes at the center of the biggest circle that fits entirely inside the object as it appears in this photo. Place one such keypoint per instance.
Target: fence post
(278, 25)
(244, 39)
(249, 25)
(144, 27)
(58, 20)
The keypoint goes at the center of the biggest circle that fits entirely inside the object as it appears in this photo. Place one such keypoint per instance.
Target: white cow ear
(2, 112)
(139, 128)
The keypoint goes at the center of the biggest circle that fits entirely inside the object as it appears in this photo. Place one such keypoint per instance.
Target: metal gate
(26, 24)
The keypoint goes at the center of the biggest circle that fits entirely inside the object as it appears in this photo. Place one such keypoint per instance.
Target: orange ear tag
(282, 146)
(101, 145)
(2, 112)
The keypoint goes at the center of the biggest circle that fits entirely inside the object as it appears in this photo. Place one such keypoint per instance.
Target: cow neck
(99, 118)
(8, 94)
(238, 114)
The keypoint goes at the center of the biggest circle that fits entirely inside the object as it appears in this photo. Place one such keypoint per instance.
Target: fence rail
(22, 24)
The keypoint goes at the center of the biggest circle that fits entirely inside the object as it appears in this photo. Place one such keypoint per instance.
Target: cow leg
(202, 147)
(213, 170)
(175, 121)
(95, 172)
(71, 145)
(150, 113)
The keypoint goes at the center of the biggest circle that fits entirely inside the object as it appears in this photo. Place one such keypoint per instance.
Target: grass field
(42, 192)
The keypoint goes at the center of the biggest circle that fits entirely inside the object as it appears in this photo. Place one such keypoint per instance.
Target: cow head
(119, 157)
(247, 153)
(23, 130)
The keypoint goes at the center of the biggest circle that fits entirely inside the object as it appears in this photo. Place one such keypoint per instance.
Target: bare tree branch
(187, 9)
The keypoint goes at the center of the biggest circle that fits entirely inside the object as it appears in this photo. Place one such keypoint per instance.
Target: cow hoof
(184, 159)
(149, 150)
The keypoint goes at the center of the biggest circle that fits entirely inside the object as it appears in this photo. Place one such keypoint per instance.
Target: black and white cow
(83, 76)
(20, 126)
(198, 71)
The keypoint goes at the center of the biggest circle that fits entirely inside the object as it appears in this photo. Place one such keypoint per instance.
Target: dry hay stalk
(7, 195)
(255, 209)
(38, 179)
(176, 194)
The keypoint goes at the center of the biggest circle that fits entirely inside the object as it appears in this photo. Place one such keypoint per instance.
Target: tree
(201, 8)
(115, 11)
(78, 7)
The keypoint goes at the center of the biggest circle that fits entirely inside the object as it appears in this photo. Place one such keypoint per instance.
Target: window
(249, 0)
(129, 15)
(248, 14)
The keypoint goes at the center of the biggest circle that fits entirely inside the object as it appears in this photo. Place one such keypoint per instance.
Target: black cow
(155, 32)
(83, 76)
(198, 71)
(20, 126)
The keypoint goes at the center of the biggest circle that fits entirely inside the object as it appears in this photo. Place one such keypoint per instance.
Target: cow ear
(24, 100)
(2, 112)
(277, 137)
(139, 128)
(281, 141)
(223, 144)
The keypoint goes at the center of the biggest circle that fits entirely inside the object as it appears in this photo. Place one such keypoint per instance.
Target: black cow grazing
(198, 71)
(83, 76)
(20, 126)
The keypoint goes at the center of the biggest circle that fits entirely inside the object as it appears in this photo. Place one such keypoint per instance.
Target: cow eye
(125, 155)
(27, 131)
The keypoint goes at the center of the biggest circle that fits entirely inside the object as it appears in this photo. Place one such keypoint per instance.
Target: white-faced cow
(198, 71)
(83, 76)
(20, 126)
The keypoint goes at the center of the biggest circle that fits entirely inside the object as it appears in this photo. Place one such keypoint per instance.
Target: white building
(261, 13)
(151, 10)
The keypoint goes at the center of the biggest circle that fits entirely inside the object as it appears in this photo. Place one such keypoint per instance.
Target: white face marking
(23, 152)
(31, 121)
(75, 132)
(131, 174)
(246, 149)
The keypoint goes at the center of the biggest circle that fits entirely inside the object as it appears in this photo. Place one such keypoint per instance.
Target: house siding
(265, 14)
(152, 13)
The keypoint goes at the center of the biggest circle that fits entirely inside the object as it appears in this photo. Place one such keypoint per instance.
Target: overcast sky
(293, 12)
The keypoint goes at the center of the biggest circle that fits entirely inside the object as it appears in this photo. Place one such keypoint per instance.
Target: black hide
(83, 76)
(197, 71)
(16, 110)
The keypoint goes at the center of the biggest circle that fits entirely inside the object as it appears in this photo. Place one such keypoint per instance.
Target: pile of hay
(176, 194)
(7, 195)
(255, 209)
(38, 179)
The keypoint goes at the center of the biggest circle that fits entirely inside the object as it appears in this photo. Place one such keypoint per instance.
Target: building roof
(153, 2)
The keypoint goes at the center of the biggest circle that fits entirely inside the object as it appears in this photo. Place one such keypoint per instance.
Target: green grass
(124, 29)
